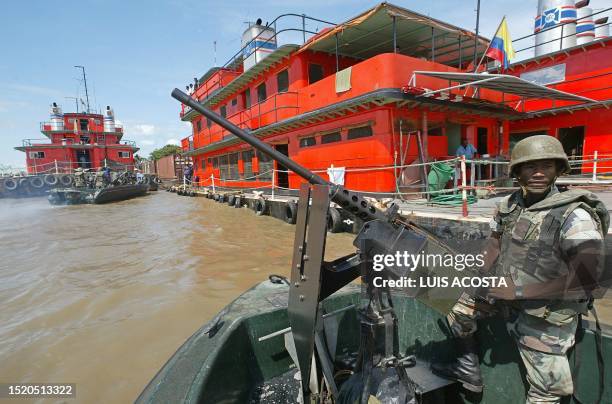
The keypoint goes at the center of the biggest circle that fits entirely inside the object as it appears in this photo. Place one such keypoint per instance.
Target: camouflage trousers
(542, 340)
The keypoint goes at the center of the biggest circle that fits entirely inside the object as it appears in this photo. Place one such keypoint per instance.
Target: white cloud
(142, 129)
(173, 141)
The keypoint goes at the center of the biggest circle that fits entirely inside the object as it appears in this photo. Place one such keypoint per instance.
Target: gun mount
(313, 279)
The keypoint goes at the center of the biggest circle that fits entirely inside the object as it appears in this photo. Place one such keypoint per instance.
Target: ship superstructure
(361, 102)
(78, 140)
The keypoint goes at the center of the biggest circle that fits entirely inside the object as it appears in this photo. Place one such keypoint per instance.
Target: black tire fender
(260, 207)
(291, 212)
(238, 202)
(51, 179)
(10, 184)
(66, 180)
(334, 221)
(231, 199)
(36, 182)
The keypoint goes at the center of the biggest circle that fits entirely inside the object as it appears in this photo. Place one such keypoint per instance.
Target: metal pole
(85, 81)
(595, 166)
(394, 36)
(303, 28)
(337, 62)
(433, 45)
(56, 171)
(476, 37)
(273, 180)
(463, 191)
(212, 178)
(460, 55)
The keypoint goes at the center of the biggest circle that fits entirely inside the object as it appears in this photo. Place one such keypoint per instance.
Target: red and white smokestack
(109, 120)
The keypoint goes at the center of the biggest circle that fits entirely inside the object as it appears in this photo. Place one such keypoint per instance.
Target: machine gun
(313, 279)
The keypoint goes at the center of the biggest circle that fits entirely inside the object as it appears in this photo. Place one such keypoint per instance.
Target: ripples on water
(102, 295)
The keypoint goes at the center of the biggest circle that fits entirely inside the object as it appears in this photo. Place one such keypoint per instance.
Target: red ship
(79, 140)
(363, 100)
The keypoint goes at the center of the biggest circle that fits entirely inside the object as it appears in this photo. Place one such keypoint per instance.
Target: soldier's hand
(503, 293)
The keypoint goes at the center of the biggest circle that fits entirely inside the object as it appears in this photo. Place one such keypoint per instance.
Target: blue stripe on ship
(584, 28)
(260, 45)
(569, 14)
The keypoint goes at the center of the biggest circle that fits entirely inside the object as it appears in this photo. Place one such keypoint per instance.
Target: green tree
(167, 150)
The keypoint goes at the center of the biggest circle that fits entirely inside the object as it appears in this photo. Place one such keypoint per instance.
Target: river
(102, 295)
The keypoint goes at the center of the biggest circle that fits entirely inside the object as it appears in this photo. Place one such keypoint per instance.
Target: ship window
(233, 166)
(223, 167)
(203, 164)
(199, 125)
(315, 73)
(247, 98)
(215, 162)
(362, 131)
(247, 162)
(308, 141)
(37, 154)
(266, 165)
(223, 110)
(331, 137)
(97, 121)
(261, 92)
(124, 154)
(282, 80)
(83, 124)
(234, 101)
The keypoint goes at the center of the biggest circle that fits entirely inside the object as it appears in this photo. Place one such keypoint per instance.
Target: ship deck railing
(69, 166)
(484, 178)
(51, 127)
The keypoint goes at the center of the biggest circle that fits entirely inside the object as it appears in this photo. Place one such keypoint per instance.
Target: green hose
(452, 200)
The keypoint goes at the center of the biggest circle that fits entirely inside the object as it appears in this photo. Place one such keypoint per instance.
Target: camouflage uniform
(100, 182)
(544, 329)
(79, 178)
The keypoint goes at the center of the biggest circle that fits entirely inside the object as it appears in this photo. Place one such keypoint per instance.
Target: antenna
(76, 102)
(215, 52)
(476, 37)
(85, 80)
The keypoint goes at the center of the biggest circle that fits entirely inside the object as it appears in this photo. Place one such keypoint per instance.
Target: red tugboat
(364, 99)
(79, 140)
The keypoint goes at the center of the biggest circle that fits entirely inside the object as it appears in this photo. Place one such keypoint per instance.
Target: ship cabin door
(83, 158)
(572, 140)
(282, 178)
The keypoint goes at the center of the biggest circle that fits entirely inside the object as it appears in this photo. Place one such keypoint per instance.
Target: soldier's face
(536, 177)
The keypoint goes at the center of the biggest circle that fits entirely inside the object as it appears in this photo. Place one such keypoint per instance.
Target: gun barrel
(348, 200)
(250, 139)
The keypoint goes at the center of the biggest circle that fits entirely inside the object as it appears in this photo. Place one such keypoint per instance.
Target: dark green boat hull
(224, 362)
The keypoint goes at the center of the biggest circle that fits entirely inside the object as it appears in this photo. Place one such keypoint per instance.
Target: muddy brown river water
(102, 295)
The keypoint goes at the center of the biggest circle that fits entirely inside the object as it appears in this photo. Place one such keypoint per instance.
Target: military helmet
(540, 147)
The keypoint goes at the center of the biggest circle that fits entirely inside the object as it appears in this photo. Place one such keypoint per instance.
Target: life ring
(238, 202)
(231, 199)
(65, 180)
(36, 182)
(291, 212)
(10, 184)
(334, 221)
(51, 179)
(260, 207)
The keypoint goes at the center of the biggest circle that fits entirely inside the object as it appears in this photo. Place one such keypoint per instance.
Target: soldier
(79, 178)
(550, 247)
(100, 183)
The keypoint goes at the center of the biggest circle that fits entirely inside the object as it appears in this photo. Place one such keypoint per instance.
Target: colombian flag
(501, 45)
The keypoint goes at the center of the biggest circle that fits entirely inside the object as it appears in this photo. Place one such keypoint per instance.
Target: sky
(136, 52)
